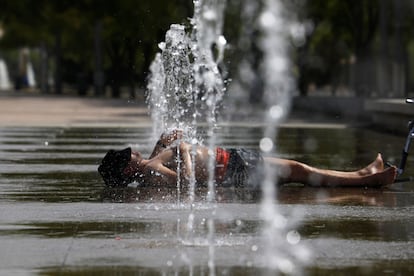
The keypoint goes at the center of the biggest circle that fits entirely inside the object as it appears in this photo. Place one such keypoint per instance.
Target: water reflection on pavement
(57, 218)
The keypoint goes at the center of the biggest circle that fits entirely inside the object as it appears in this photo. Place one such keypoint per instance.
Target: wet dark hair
(112, 168)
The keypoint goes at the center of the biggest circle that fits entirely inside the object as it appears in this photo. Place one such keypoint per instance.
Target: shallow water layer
(58, 219)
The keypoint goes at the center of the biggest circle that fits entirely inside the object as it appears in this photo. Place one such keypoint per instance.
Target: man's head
(113, 166)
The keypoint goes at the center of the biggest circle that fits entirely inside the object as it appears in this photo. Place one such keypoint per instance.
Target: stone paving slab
(36, 110)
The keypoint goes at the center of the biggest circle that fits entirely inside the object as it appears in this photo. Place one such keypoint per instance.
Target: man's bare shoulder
(165, 155)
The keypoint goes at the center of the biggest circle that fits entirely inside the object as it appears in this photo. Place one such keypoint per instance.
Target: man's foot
(376, 166)
(387, 176)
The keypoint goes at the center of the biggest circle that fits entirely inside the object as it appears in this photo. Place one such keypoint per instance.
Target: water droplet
(267, 19)
(209, 15)
(293, 237)
(161, 45)
(298, 33)
(285, 266)
(266, 144)
(276, 112)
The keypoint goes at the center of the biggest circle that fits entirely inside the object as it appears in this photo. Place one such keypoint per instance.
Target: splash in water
(186, 88)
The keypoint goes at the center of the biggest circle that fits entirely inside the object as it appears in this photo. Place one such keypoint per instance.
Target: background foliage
(364, 47)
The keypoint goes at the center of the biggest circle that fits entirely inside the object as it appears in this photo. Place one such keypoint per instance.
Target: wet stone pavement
(58, 219)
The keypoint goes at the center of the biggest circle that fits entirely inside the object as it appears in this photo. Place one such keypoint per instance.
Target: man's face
(136, 156)
(133, 164)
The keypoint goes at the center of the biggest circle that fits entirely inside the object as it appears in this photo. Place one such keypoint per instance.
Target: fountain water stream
(186, 88)
(281, 251)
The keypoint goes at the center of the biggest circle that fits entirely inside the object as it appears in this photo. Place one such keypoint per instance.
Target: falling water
(4, 76)
(208, 23)
(186, 88)
(282, 251)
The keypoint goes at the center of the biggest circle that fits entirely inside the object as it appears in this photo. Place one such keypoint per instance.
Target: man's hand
(167, 139)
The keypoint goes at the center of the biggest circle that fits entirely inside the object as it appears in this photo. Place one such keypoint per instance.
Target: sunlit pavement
(28, 109)
(39, 110)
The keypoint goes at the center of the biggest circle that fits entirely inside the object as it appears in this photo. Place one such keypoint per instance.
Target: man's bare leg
(293, 171)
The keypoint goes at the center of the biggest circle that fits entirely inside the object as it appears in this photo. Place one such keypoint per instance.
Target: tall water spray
(186, 87)
(282, 251)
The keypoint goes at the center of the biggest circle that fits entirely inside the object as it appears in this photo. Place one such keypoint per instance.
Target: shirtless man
(233, 167)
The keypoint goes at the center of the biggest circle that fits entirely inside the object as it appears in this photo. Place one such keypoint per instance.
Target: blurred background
(104, 48)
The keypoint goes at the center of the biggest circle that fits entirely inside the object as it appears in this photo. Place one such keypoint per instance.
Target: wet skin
(162, 169)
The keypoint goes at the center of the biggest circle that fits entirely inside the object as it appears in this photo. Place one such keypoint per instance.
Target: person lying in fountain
(239, 168)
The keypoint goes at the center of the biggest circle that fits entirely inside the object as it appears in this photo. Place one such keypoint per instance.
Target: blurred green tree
(343, 34)
(360, 44)
(125, 33)
(366, 45)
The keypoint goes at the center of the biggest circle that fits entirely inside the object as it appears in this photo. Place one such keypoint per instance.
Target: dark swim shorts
(244, 169)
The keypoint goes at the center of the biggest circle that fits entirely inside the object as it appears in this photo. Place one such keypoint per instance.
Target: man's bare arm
(165, 141)
(159, 174)
(185, 155)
